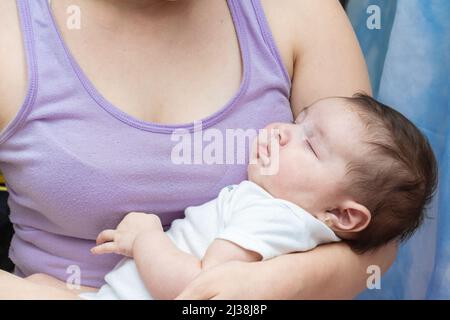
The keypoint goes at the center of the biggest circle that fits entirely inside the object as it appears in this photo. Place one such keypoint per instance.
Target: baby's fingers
(108, 247)
(105, 236)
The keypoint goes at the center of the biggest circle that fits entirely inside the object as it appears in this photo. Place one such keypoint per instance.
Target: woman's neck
(146, 5)
(123, 15)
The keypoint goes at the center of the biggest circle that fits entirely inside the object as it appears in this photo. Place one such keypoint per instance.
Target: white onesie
(245, 214)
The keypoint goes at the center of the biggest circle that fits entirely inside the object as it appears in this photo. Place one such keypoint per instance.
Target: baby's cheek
(324, 185)
(290, 175)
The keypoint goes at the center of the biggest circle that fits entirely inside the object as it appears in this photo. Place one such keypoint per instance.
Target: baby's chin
(271, 185)
(252, 172)
(255, 174)
(257, 169)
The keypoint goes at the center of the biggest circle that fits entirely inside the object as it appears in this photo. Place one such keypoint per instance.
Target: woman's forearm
(15, 288)
(165, 269)
(330, 271)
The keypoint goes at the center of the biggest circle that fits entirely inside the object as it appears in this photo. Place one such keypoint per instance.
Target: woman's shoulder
(12, 62)
(296, 24)
(318, 37)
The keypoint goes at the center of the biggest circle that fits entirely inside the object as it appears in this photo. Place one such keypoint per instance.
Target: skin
(313, 154)
(38, 286)
(321, 56)
(164, 269)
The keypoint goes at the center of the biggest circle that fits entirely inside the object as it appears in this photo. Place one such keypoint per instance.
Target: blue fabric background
(409, 65)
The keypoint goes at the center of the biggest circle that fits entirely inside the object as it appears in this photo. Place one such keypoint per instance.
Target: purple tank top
(75, 164)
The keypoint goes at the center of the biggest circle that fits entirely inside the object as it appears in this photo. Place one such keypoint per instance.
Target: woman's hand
(331, 271)
(233, 280)
(121, 240)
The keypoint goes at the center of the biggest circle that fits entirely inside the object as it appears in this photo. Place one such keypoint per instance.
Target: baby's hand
(121, 240)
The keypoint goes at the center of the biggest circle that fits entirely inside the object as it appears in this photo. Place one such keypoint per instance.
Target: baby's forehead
(339, 124)
(326, 108)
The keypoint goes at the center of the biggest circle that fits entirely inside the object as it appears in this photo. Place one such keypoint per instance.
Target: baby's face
(312, 155)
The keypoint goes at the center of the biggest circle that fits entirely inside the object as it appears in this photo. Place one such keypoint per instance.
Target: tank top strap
(262, 47)
(50, 59)
(47, 56)
(76, 164)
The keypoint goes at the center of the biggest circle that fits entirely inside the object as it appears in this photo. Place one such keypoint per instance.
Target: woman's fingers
(108, 247)
(198, 289)
(105, 236)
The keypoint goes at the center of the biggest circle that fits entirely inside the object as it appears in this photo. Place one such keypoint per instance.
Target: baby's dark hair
(395, 179)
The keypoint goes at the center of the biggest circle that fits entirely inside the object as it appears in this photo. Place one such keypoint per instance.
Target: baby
(350, 169)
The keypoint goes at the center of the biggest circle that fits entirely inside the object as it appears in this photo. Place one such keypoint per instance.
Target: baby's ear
(349, 217)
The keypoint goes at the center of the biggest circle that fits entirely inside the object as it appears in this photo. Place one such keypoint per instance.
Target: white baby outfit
(245, 214)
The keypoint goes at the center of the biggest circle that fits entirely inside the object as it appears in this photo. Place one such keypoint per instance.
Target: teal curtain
(409, 64)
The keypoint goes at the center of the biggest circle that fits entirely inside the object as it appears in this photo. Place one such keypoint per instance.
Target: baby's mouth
(269, 149)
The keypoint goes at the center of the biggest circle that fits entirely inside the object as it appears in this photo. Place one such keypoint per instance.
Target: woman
(91, 141)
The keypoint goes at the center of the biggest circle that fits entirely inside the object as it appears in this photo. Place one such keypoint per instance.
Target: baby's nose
(284, 134)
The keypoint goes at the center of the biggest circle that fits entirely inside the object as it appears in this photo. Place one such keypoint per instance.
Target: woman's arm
(13, 287)
(327, 61)
(13, 73)
(330, 271)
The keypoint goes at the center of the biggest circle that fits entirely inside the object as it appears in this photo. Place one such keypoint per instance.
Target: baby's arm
(166, 270)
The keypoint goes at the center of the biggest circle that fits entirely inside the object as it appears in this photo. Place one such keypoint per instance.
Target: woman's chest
(79, 163)
(88, 159)
(168, 72)
(174, 72)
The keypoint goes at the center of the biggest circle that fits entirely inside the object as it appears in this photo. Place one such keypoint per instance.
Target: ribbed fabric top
(75, 164)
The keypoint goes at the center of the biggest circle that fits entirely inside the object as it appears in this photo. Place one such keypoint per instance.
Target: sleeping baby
(349, 169)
